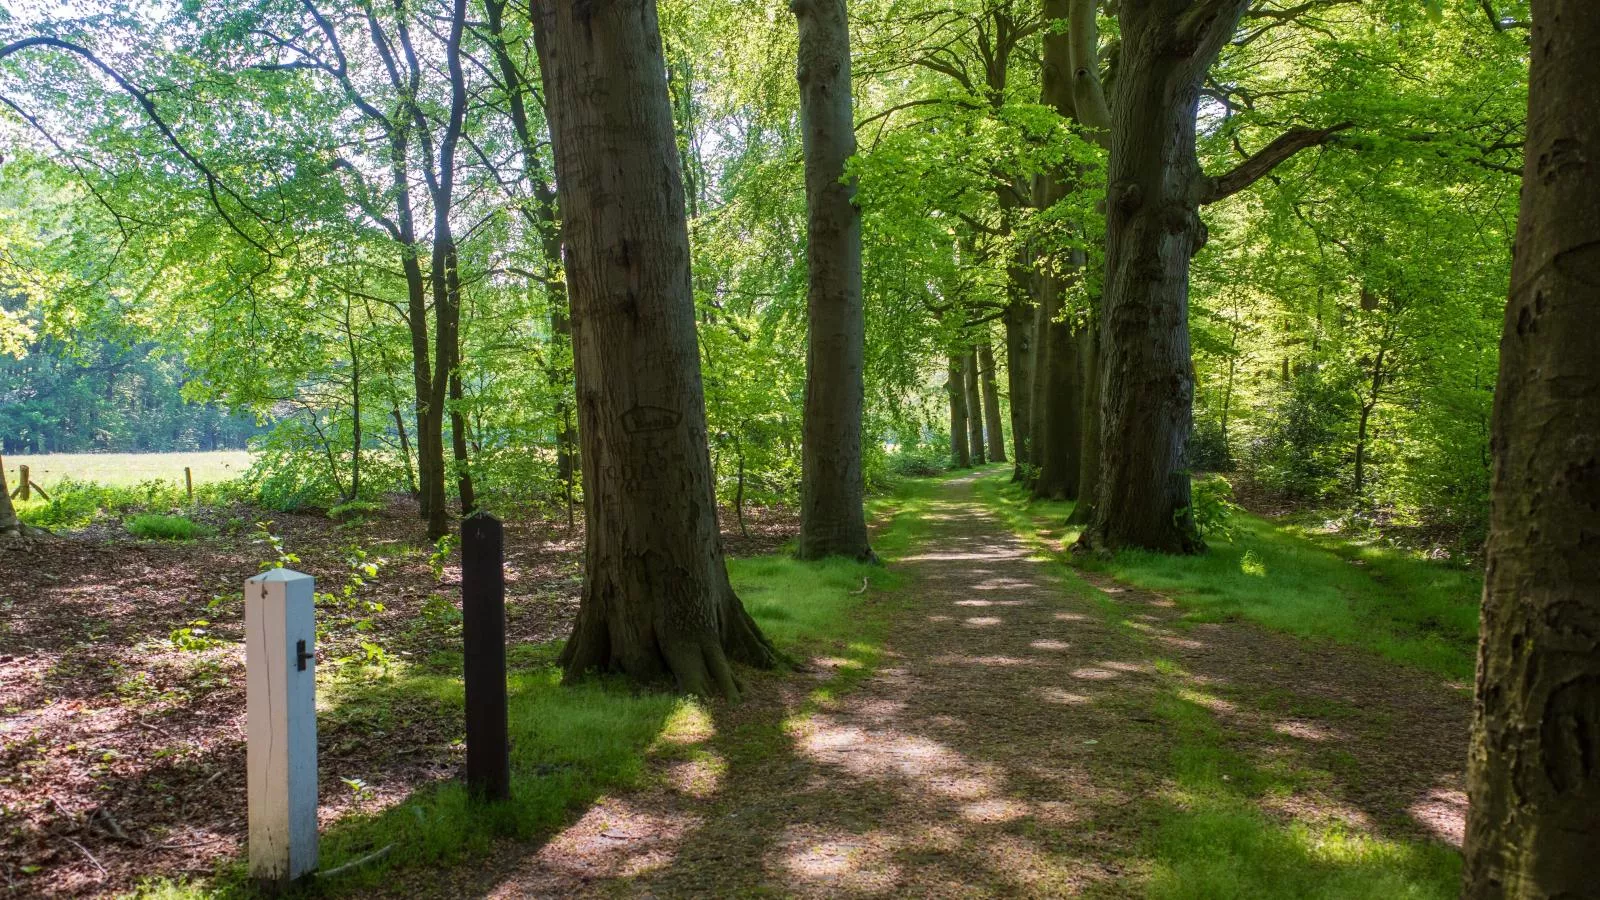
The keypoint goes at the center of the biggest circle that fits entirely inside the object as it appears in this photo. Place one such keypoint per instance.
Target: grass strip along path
(995, 725)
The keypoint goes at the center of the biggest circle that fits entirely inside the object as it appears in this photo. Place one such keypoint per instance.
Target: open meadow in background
(126, 469)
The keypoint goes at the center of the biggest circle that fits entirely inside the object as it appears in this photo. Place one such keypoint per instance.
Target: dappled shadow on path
(1018, 739)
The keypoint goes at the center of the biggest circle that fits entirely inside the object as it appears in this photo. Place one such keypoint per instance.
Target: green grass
(126, 469)
(1211, 838)
(166, 528)
(573, 743)
(1399, 605)
(1208, 836)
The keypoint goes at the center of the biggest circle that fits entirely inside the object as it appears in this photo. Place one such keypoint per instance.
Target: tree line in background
(108, 397)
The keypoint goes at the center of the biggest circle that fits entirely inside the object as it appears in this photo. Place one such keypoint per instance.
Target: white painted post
(281, 697)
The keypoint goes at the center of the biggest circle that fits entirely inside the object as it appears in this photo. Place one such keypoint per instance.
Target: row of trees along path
(1011, 742)
(656, 601)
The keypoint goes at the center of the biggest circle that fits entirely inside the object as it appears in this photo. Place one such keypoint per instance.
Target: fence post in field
(280, 698)
(483, 626)
(25, 486)
(188, 482)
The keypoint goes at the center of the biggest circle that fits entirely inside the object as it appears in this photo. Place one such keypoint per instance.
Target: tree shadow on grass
(1027, 735)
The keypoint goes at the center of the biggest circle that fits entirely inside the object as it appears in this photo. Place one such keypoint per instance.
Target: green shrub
(355, 509)
(922, 461)
(166, 528)
(1212, 499)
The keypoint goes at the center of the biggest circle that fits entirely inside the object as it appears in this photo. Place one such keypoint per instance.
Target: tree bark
(1089, 442)
(1153, 228)
(9, 523)
(832, 484)
(1019, 372)
(656, 600)
(956, 387)
(1058, 416)
(991, 403)
(1533, 776)
(969, 380)
(1039, 390)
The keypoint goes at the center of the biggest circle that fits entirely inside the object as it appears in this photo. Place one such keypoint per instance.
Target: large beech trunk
(969, 379)
(1533, 824)
(1152, 229)
(656, 601)
(1057, 411)
(956, 388)
(832, 485)
(991, 404)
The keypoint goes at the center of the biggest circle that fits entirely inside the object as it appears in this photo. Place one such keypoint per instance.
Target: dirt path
(1011, 743)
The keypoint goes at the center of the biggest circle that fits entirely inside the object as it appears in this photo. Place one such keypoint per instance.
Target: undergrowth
(166, 528)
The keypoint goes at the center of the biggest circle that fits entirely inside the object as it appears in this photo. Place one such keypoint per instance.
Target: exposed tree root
(693, 664)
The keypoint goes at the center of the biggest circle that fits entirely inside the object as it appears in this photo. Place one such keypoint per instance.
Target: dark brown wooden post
(483, 614)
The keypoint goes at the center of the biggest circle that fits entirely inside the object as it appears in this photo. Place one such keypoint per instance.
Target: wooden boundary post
(281, 702)
(483, 626)
(23, 480)
(188, 482)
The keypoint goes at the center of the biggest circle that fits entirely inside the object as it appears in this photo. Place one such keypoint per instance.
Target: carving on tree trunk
(1533, 772)
(656, 599)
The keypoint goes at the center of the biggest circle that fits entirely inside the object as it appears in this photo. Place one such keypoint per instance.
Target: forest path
(1024, 734)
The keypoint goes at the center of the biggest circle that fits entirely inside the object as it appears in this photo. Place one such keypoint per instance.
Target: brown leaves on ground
(122, 755)
(1008, 744)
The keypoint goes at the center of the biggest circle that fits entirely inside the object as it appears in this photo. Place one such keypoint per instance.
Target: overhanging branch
(1266, 159)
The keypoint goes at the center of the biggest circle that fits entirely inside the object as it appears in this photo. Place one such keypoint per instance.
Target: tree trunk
(1361, 455)
(355, 405)
(956, 387)
(1368, 404)
(9, 523)
(656, 600)
(458, 446)
(1153, 228)
(405, 449)
(1019, 323)
(1089, 443)
(1059, 418)
(1019, 372)
(969, 382)
(991, 404)
(832, 485)
(1533, 775)
(1039, 390)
